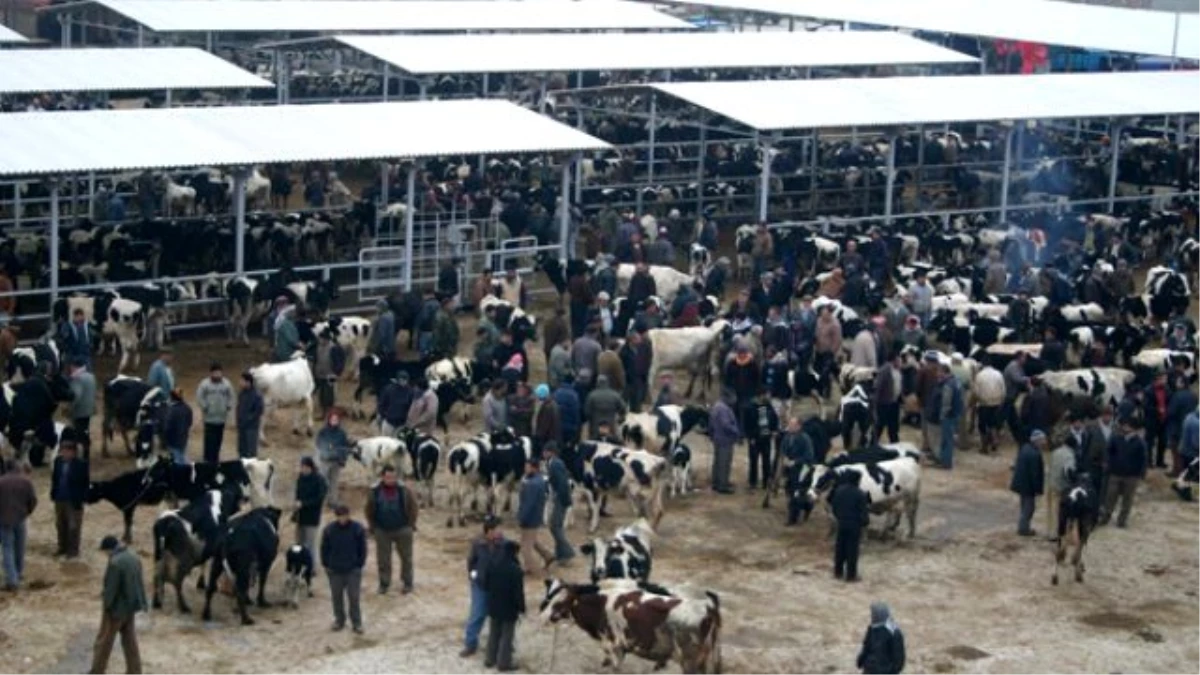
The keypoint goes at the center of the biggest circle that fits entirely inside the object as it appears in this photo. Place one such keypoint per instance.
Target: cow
(1168, 289)
(638, 474)
(743, 244)
(374, 374)
(27, 410)
(41, 356)
(289, 383)
(299, 568)
(452, 380)
(667, 280)
(1182, 485)
(1105, 386)
(695, 348)
(246, 302)
(33, 451)
(464, 462)
(351, 333)
(246, 550)
(893, 486)
(186, 538)
(642, 619)
(681, 469)
(1078, 511)
(661, 429)
(424, 452)
(854, 411)
(1150, 362)
(493, 461)
(124, 321)
(699, 260)
(313, 296)
(850, 376)
(627, 555)
(154, 298)
(511, 318)
(377, 452)
(128, 404)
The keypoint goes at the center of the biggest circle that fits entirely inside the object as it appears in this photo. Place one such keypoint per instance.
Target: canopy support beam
(1115, 166)
(54, 224)
(410, 205)
(1005, 176)
(650, 154)
(891, 179)
(239, 230)
(564, 215)
(764, 181)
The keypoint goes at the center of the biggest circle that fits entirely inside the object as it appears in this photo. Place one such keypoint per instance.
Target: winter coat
(124, 587)
(636, 360)
(329, 361)
(495, 413)
(559, 365)
(585, 353)
(742, 378)
(422, 415)
(882, 650)
(161, 376)
(177, 424)
(850, 507)
(1029, 472)
(570, 410)
(531, 508)
(609, 365)
(445, 334)
(394, 403)
(75, 489)
(547, 426)
(887, 385)
(723, 425)
(1015, 380)
(249, 408)
(504, 586)
(863, 350)
(310, 492)
(829, 335)
(343, 547)
(560, 481)
(1035, 410)
(391, 519)
(215, 400)
(603, 404)
(287, 340)
(922, 297)
(333, 445)
(520, 413)
(797, 447)
(83, 389)
(641, 286)
(1189, 444)
(17, 499)
(383, 340)
(553, 331)
(1127, 456)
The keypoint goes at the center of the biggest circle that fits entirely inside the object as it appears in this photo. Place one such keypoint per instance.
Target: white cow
(1106, 386)
(285, 384)
(667, 280)
(121, 322)
(694, 348)
(379, 451)
(893, 486)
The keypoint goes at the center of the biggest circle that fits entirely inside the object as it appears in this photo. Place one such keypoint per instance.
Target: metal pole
(92, 195)
(17, 204)
(140, 36)
(208, 41)
(387, 75)
(239, 230)
(920, 156)
(421, 95)
(381, 207)
(65, 21)
(277, 58)
(542, 97)
(53, 239)
(700, 165)
(564, 216)
(1020, 150)
(650, 156)
(891, 180)
(410, 205)
(167, 99)
(578, 125)
(74, 200)
(1114, 168)
(1005, 176)
(812, 173)
(764, 182)
(484, 93)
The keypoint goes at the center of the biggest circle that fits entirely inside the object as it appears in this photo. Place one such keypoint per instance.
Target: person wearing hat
(921, 294)
(912, 334)
(161, 375)
(553, 330)
(603, 404)
(559, 363)
(1035, 408)
(761, 426)
(637, 356)
(1128, 461)
(504, 588)
(570, 411)
(742, 375)
(343, 555)
(547, 425)
(215, 398)
(447, 283)
(883, 645)
(661, 251)
(495, 408)
(422, 414)
(83, 404)
(333, 447)
(309, 498)
(762, 249)
(177, 426)
(484, 549)
(531, 515)
(425, 317)
(725, 433)
(382, 340)
(76, 338)
(950, 398)
(850, 508)
(329, 360)
(988, 388)
(1015, 382)
(391, 514)
(521, 405)
(287, 335)
(559, 479)
(1028, 479)
(248, 417)
(394, 402)
(123, 597)
(585, 352)
(444, 342)
(68, 490)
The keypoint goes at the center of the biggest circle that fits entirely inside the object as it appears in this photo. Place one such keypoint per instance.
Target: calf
(246, 550)
(286, 384)
(854, 411)
(299, 574)
(245, 303)
(681, 470)
(352, 333)
(892, 486)
(379, 451)
(124, 321)
(1078, 510)
(638, 474)
(504, 465)
(464, 462)
(424, 452)
(661, 429)
(186, 538)
(627, 555)
(129, 403)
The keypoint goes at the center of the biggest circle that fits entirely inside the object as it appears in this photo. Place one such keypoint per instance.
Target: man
(879, 258)
(1183, 401)
(995, 279)
(864, 348)
(177, 426)
(310, 497)
(429, 309)
(83, 404)
(921, 294)
(603, 404)
(68, 492)
(333, 446)
(579, 286)
(828, 341)
(17, 502)
(1035, 409)
(1063, 467)
(1156, 402)
(585, 354)
(928, 381)
(445, 330)
(328, 363)
(1127, 463)
(383, 333)
(484, 549)
(249, 417)
(742, 376)
(287, 336)
(883, 645)
(724, 431)
(570, 412)
(850, 509)
(636, 357)
(554, 329)
(124, 596)
(660, 251)
(1015, 382)
(392, 518)
(560, 492)
(531, 515)
(1054, 352)
(761, 424)
(495, 408)
(762, 250)
(989, 392)
(641, 287)
(547, 425)
(161, 375)
(609, 365)
(215, 398)
(504, 589)
(422, 415)
(886, 400)
(560, 361)
(1094, 455)
(343, 555)
(950, 399)
(1189, 443)
(394, 404)
(1028, 479)
(447, 282)
(797, 447)
(76, 339)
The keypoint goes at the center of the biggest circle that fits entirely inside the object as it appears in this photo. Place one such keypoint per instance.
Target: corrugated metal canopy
(43, 143)
(179, 16)
(9, 35)
(1136, 31)
(53, 70)
(864, 102)
(428, 54)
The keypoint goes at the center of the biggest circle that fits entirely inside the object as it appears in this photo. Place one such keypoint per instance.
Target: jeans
(212, 442)
(475, 617)
(247, 442)
(1028, 505)
(12, 540)
(346, 586)
(530, 545)
(562, 545)
(331, 471)
(949, 429)
(178, 455)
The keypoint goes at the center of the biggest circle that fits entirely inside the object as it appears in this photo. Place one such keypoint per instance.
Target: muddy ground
(969, 593)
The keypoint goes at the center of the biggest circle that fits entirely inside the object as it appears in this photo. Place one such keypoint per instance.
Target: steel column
(382, 205)
(891, 180)
(1114, 168)
(140, 35)
(65, 21)
(74, 199)
(1020, 150)
(92, 195)
(387, 75)
(1005, 176)
(578, 125)
(208, 41)
(410, 206)
(812, 173)
(700, 165)
(167, 99)
(421, 95)
(764, 182)
(239, 230)
(17, 204)
(650, 156)
(53, 239)
(564, 216)
(920, 157)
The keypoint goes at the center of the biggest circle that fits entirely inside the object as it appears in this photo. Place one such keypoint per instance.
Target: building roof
(88, 69)
(9, 35)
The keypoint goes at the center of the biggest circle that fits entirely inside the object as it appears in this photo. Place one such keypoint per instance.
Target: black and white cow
(854, 412)
(681, 469)
(1150, 362)
(637, 474)
(154, 298)
(377, 452)
(27, 410)
(1078, 510)
(510, 317)
(246, 550)
(186, 538)
(313, 296)
(893, 486)
(374, 373)
(124, 322)
(299, 570)
(1105, 386)
(661, 429)
(627, 555)
(1168, 289)
(424, 452)
(453, 381)
(352, 334)
(41, 356)
(128, 404)
(494, 462)
(465, 462)
(246, 302)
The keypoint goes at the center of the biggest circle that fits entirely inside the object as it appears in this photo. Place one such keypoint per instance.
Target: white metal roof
(427, 54)
(51, 70)
(1070, 24)
(380, 15)
(41, 143)
(816, 104)
(9, 35)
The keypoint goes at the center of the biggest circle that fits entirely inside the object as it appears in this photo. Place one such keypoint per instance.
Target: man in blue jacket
(570, 411)
(177, 425)
(68, 491)
(560, 489)
(343, 555)
(531, 515)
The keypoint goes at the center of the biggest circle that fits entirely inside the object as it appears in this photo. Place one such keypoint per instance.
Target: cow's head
(693, 417)
(562, 599)
(598, 550)
(143, 449)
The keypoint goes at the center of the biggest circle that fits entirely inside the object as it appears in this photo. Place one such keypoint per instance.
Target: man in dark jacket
(1053, 353)
(68, 491)
(445, 330)
(560, 491)
(850, 509)
(1156, 402)
(177, 424)
(547, 426)
(887, 399)
(742, 376)
(582, 298)
(883, 645)
(761, 425)
(796, 447)
(310, 496)
(394, 402)
(392, 518)
(484, 549)
(570, 412)
(641, 287)
(531, 515)
(724, 431)
(328, 363)
(636, 356)
(504, 587)
(1035, 410)
(603, 404)
(343, 555)
(249, 417)
(1128, 460)
(124, 596)
(76, 338)
(1029, 478)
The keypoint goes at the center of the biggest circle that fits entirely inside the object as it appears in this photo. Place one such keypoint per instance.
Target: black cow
(28, 408)
(503, 465)
(247, 549)
(425, 452)
(41, 357)
(127, 492)
(128, 402)
(1078, 511)
(406, 307)
(374, 374)
(186, 538)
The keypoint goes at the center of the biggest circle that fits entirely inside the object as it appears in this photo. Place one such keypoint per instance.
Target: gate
(380, 271)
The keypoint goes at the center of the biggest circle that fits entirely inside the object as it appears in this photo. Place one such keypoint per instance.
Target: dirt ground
(969, 593)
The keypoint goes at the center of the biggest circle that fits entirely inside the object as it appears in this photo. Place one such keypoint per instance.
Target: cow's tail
(712, 641)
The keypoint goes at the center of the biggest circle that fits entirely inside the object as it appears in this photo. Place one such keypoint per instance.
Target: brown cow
(659, 625)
